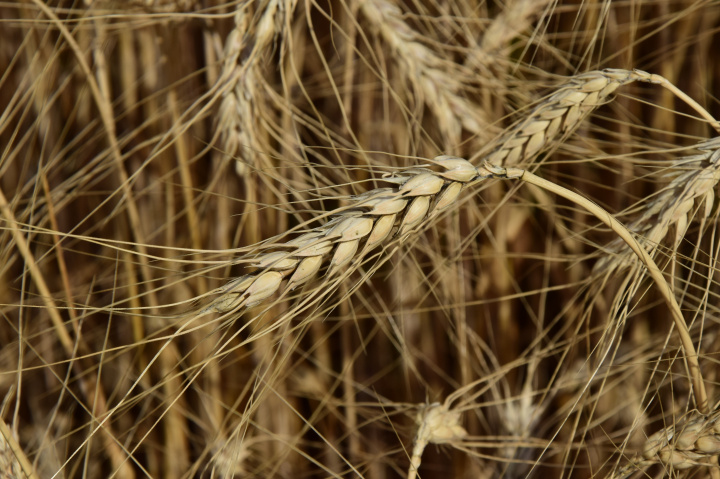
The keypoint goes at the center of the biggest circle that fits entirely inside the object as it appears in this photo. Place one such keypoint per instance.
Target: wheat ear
(420, 194)
(243, 106)
(687, 443)
(563, 111)
(437, 424)
(516, 17)
(13, 461)
(694, 179)
(437, 80)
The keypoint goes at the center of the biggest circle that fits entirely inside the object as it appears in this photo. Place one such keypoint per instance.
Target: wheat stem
(665, 83)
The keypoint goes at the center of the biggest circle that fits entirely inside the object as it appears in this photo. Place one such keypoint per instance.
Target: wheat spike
(687, 443)
(13, 462)
(437, 80)
(242, 108)
(694, 179)
(437, 424)
(562, 112)
(420, 194)
(516, 17)
(559, 114)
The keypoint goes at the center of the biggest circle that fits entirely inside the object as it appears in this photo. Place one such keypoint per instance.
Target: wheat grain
(420, 194)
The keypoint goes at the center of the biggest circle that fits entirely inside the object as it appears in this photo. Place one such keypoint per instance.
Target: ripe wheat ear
(421, 194)
(563, 111)
(694, 179)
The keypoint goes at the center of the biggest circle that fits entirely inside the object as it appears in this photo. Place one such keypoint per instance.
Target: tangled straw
(422, 193)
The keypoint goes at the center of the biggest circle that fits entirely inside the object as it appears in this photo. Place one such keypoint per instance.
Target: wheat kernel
(387, 206)
(422, 184)
(278, 261)
(382, 229)
(594, 85)
(709, 444)
(447, 197)
(415, 214)
(343, 254)
(263, 287)
(305, 270)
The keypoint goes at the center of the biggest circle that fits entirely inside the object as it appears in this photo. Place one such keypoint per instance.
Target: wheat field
(359, 238)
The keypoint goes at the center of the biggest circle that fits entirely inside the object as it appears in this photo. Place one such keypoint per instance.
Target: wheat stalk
(691, 356)
(420, 194)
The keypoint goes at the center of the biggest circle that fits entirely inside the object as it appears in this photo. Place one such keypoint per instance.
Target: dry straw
(107, 385)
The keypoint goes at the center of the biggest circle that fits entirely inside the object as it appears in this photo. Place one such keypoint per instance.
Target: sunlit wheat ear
(437, 424)
(557, 115)
(372, 218)
(505, 28)
(565, 109)
(685, 444)
(694, 180)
